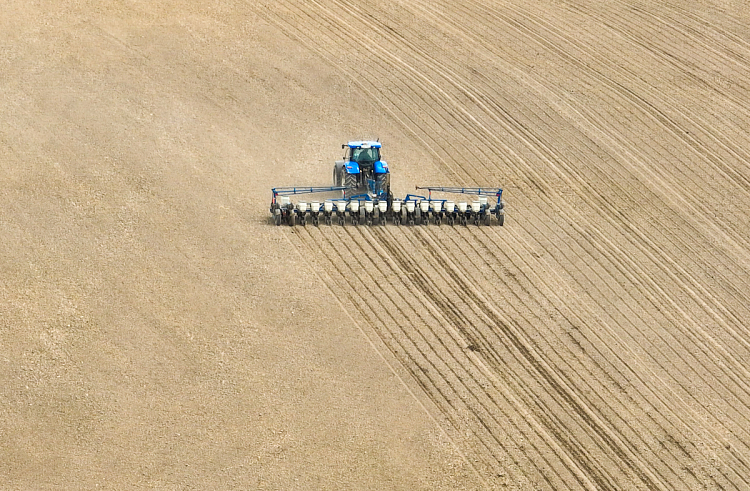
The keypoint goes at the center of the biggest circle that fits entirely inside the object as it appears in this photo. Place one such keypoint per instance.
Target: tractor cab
(364, 153)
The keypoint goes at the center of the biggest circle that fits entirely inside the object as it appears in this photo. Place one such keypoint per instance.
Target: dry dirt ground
(156, 331)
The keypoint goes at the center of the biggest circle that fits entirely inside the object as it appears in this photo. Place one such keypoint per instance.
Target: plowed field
(156, 330)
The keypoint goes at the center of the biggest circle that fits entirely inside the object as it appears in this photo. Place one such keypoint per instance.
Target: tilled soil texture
(159, 331)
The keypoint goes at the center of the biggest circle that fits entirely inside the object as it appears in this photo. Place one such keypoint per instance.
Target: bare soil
(157, 331)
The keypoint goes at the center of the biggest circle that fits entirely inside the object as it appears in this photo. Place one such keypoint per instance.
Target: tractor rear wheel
(350, 181)
(277, 219)
(500, 220)
(382, 184)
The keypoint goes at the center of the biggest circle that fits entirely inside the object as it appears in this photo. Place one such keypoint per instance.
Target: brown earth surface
(157, 331)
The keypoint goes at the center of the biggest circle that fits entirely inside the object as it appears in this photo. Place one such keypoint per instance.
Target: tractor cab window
(365, 155)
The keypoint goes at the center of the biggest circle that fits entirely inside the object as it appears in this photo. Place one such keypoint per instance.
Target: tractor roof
(364, 144)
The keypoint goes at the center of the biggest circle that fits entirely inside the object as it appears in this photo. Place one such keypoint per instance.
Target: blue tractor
(363, 172)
